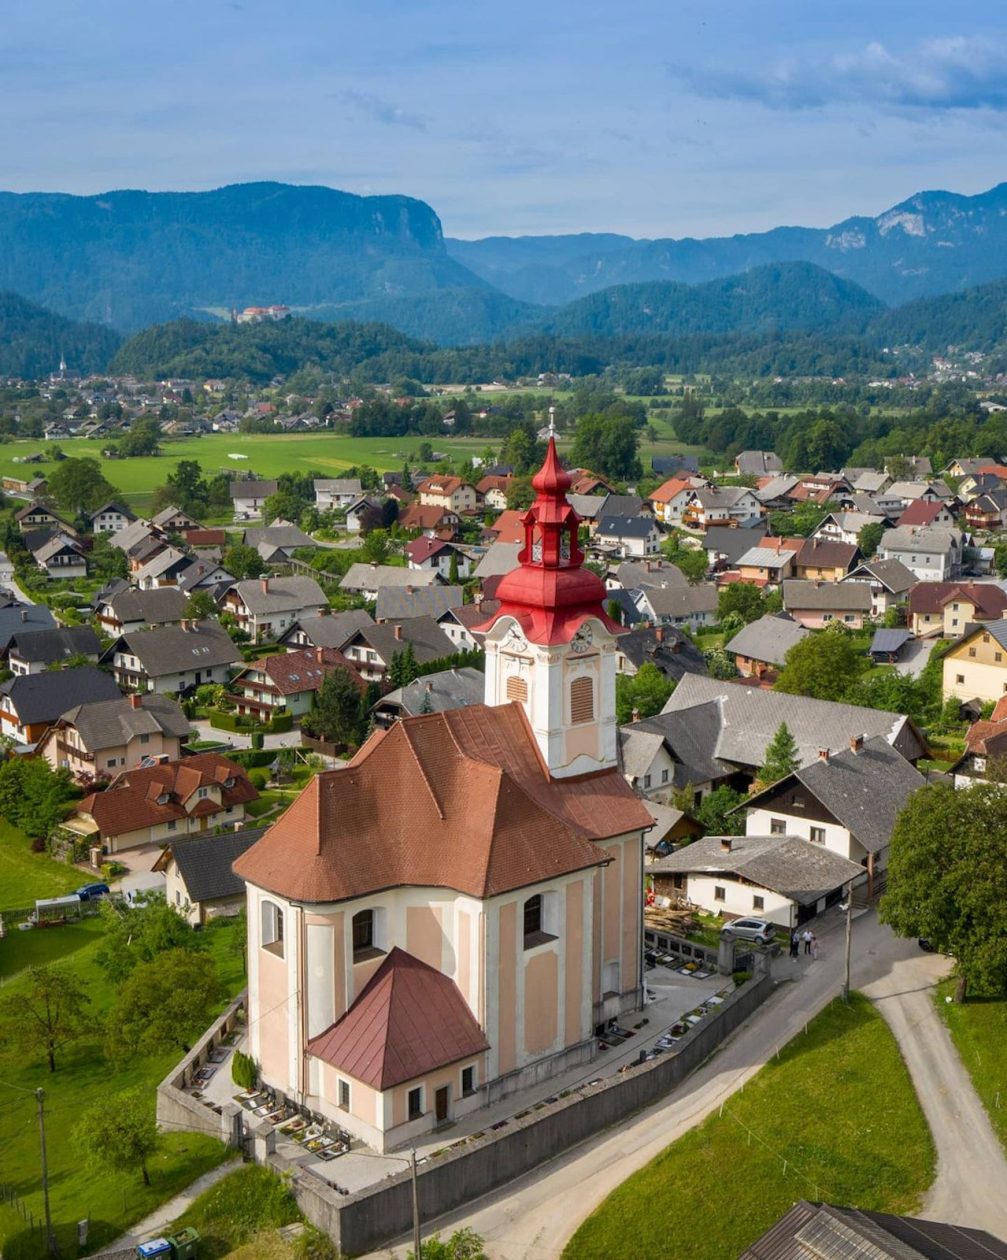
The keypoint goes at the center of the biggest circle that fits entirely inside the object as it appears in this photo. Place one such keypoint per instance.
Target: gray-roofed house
(819, 1231)
(757, 463)
(623, 505)
(762, 645)
(500, 558)
(629, 535)
(36, 650)
(932, 554)
(173, 659)
(746, 718)
(110, 518)
(397, 603)
(889, 582)
(199, 880)
(686, 758)
(634, 573)
(373, 648)
(783, 878)
(248, 498)
(61, 556)
(105, 736)
(816, 604)
(135, 535)
(23, 619)
(847, 801)
(276, 542)
(672, 652)
(720, 504)
(367, 580)
(432, 693)
(125, 609)
(844, 526)
(646, 762)
(162, 569)
(30, 703)
(336, 492)
(325, 629)
(766, 566)
(173, 520)
(265, 607)
(691, 606)
(459, 623)
(775, 492)
(724, 545)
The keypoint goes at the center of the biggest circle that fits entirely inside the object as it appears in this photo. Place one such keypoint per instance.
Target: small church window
(582, 700)
(517, 689)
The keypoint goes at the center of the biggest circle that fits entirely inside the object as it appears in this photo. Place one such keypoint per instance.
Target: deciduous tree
(44, 1012)
(163, 1003)
(119, 1133)
(824, 665)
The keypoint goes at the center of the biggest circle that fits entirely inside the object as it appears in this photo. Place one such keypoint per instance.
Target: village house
(286, 683)
(110, 518)
(898, 496)
(429, 520)
(366, 580)
(985, 757)
(816, 604)
(951, 608)
(669, 650)
(367, 507)
(30, 703)
(107, 735)
(198, 880)
(889, 582)
(670, 499)
(276, 543)
(265, 607)
(766, 566)
(460, 623)
(932, 554)
(773, 493)
(845, 800)
(439, 555)
(336, 492)
(172, 520)
(60, 555)
(372, 649)
(783, 878)
(326, 628)
(925, 511)
(757, 463)
(647, 763)
(691, 606)
(762, 645)
(492, 491)
(432, 693)
(825, 560)
(450, 493)
(845, 527)
(988, 511)
(38, 516)
(165, 801)
(18, 618)
(121, 608)
(162, 569)
(629, 536)
(398, 603)
(248, 498)
(725, 545)
(38, 650)
(976, 667)
(173, 659)
(515, 927)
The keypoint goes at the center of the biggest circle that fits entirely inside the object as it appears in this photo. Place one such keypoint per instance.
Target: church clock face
(515, 640)
(582, 640)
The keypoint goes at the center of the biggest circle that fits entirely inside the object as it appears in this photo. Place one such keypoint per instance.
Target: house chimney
(823, 754)
(325, 610)
(409, 589)
(264, 583)
(398, 632)
(135, 701)
(636, 715)
(320, 655)
(24, 614)
(856, 743)
(676, 647)
(184, 623)
(725, 844)
(659, 633)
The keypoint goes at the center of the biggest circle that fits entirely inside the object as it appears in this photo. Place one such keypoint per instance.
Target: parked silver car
(759, 930)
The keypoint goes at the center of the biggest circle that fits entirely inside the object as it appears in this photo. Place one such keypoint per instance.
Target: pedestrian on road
(814, 947)
(807, 940)
(795, 944)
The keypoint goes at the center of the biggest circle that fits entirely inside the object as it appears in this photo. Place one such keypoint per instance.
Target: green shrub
(257, 740)
(281, 722)
(741, 977)
(258, 779)
(244, 1070)
(113, 870)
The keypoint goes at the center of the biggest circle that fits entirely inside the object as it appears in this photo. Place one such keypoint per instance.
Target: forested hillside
(32, 341)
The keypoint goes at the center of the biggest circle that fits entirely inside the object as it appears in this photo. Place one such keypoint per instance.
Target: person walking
(795, 944)
(814, 947)
(807, 940)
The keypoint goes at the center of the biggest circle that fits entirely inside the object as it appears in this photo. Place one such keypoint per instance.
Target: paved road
(534, 1217)
(916, 655)
(157, 1221)
(238, 739)
(7, 579)
(971, 1183)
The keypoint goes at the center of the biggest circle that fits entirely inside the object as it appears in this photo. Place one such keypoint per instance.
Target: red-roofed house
(287, 682)
(493, 491)
(925, 512)
(508, 527)
(161, 802)
(450, 493)
(669, 501)
(947, 608)
(450, 916)
(436, 553)
(431, 521)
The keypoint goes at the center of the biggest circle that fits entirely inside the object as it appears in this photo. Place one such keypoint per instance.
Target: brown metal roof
(459, 799)
(408, 1020)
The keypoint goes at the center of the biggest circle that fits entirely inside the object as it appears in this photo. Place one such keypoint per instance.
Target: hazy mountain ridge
(933, 242)
(33, 340)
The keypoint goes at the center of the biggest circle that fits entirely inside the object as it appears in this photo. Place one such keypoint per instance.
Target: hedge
(281, 722)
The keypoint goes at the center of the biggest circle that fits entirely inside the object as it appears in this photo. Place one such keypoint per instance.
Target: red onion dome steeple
(550, 593)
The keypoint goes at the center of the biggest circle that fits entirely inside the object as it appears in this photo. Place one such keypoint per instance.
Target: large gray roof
(435, 693)
(656, 572)
(691, 738)
(204, 863)
(626, 527)
(394, 603)
(826, 596)
(22, 618)
(624, 505)
(372, 577)
(286, 594)
(173, 650)
(731, 543)
(331, 630)
(637, 750)
(863, 790)
(108, 723)
(910, 538)
(680, 601)
(788, 865)
(748, 717)
(673, 652)
(768, 639)
(285, 536)
(429, 641)
(252, 489)
(499, 559)
(163, 604)
(43, 697)
(49, 646)
(892, 574)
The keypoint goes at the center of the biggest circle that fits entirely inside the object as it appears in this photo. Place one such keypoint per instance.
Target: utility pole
(849, 937)
(50, 1236)
(416, 1207)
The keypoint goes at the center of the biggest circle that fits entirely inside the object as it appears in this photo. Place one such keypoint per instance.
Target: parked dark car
(92, 892)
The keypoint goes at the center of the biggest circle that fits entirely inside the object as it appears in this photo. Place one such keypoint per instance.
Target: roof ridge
(405, 728)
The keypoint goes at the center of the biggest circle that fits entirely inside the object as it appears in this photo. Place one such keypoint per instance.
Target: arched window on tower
(582, 700)
(517, 689)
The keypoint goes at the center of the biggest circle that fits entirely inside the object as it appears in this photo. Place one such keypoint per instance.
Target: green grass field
(978, 1028)
(83, 1078)
(25, 876)
(835, 1118)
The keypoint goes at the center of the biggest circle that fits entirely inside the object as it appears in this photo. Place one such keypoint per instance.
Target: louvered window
(517, 689)
(582, 700)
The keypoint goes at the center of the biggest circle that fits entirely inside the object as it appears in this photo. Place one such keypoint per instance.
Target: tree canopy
(824, 665)
(119, 1133)
(645, 693)
(781, 756)
(44, 1012)
(79, 485)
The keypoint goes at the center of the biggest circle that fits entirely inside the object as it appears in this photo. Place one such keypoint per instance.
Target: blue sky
(653, 117)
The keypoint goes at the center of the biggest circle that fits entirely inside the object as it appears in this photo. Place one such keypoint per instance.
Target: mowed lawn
(837, 1106)
(112, 1201)
(26, 876)
(978, 1028)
